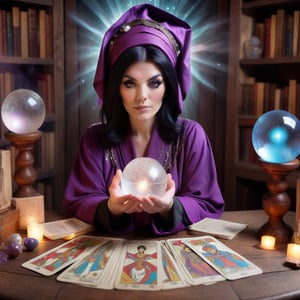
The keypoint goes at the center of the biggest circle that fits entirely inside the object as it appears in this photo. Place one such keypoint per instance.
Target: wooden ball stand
(26, 199)
(25, 174)
(276, 202)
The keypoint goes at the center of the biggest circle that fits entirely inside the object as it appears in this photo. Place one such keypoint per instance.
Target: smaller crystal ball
(144, 176)
(23, 111)
(276, 136)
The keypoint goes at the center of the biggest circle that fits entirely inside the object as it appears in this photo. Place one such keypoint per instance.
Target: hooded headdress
(146, 24)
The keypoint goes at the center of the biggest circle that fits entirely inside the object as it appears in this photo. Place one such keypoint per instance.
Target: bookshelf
(32, 57)
(257, 85)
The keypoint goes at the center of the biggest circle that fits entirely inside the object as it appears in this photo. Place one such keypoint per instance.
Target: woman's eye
(128, 83)
(155, 83)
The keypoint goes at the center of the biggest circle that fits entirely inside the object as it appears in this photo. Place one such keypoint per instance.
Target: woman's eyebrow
(129, 77)
(151, 78)
(155, 76)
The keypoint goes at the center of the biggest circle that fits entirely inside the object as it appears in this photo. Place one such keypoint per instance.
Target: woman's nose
(141, 95)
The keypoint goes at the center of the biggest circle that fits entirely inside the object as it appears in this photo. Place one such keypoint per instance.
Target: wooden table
(279, 280)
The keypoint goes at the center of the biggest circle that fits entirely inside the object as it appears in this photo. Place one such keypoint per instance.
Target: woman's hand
(118, 203)
(161, 205)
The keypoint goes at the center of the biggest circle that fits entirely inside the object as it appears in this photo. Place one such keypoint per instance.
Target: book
(66, 228)
(292, 96)
(42, 32)
(289, 36)
(24, 34)
(273, 29)
(8, 83)
(280, 33)
(258, 98)
(33, 31)
(10, 41)
(1, 35)
(16, 20)
(4, 31)
(219, 228)
(296, 20)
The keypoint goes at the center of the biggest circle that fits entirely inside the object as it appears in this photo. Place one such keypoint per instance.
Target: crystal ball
(276, 136)
(144, 176)
(23, 111)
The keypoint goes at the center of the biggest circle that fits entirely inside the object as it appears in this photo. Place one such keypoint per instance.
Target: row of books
(41, 83)
(26, 33)
(278, 33)
(257, 98)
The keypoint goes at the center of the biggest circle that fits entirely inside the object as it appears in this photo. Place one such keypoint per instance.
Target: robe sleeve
(86, 193)
(86, 186)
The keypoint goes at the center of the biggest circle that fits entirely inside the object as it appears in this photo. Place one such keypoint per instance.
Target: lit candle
(35, 230)
(267, 242)
(293, 253)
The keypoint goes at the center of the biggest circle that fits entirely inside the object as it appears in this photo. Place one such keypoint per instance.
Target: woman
(142, 77)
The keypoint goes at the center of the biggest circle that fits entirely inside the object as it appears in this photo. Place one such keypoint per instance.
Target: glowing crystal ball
(23, 111)
(276, 136)
(144, 176)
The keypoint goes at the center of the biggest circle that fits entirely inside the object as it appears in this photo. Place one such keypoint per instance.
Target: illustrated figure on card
(226, 261)
(194, 264)
(141, 270)
(94, 262)
(223, 259)
(55, 259)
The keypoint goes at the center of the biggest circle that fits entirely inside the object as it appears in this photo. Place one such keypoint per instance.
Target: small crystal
(3, 257)
(30, 243)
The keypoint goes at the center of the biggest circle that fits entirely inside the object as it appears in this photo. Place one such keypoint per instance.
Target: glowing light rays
(101, 14)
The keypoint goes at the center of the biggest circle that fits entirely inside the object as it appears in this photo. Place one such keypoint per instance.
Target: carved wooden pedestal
(276, 202)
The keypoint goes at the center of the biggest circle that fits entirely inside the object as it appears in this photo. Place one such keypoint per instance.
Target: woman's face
(142, 90)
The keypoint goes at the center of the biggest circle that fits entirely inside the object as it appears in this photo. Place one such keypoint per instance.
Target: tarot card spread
(108, 263)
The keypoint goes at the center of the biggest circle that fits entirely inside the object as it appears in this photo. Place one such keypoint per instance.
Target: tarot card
(227, 262)
(172, 276)
(140, 266)
(62, 256)
(94, 268)
(194, 268)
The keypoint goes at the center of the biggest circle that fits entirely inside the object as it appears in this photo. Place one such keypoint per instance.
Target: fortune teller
(142, 77)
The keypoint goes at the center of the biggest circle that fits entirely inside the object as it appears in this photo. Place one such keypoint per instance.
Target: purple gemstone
(13, 249)
(3, 257)
(30, 243)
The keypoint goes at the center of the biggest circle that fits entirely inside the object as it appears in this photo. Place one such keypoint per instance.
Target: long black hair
(113, 113)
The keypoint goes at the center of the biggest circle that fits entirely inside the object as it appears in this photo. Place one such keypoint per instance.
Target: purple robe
(193, 171)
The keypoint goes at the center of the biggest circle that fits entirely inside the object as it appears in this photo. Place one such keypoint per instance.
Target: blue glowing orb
(276, 136)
